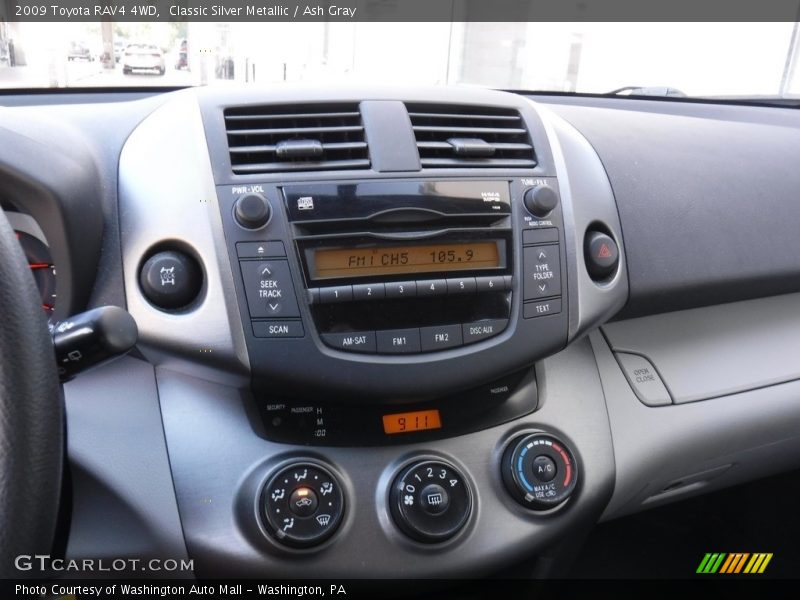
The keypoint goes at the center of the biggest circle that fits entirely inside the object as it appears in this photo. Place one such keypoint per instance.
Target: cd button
(401, 289)
(339, 293)
(369, 291)
(461, 285)
(398, 341)
(432, 287)
(440, 337)
(480, 330)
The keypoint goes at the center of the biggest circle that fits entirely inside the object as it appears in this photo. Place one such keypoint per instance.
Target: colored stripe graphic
(734, 562)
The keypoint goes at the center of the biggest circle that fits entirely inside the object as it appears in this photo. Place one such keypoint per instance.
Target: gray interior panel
(219, 463)
(708, 202)
(716, 351)
(123, 500)
(668, 453)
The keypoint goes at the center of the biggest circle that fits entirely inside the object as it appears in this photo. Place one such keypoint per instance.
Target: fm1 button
(170, 279)
(303, 502)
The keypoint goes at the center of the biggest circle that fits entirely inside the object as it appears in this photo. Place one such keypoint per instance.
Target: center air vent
(452, 136)
(274, 139)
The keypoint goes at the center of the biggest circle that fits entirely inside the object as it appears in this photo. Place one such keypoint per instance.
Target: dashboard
(382, 325)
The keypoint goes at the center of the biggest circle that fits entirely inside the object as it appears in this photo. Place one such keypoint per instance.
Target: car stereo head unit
(404, 267)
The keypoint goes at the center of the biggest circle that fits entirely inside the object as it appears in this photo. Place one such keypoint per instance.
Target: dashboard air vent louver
(275, 139)
(452, 136)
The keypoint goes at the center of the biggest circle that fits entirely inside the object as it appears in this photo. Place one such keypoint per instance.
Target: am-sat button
(351, 341)
(480, 330)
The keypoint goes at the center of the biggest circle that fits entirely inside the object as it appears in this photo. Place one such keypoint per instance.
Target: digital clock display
(330, 263)
(411, 421)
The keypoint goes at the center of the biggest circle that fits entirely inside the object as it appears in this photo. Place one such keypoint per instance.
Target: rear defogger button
(644, 379)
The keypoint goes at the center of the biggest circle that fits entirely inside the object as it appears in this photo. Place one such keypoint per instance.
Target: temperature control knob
(430, 501)
(539, 471)
(302, 505)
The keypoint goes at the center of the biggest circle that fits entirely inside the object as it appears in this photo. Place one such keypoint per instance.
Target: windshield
(693, 59)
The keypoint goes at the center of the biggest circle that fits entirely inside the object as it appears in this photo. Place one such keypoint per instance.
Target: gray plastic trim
(219, 459)
(720, 350)
(167, 195)
(26, 224)
(123, 500)
(586, 199)
(674, 452)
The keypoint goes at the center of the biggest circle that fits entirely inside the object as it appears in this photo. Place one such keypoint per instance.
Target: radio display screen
(330, 263)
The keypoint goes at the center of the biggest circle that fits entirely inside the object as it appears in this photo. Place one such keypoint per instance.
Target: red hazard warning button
(602, 255)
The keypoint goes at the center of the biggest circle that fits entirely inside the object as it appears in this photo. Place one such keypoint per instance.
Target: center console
(391, 291)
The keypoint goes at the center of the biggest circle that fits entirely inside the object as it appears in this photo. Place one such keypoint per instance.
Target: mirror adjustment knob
(539, 471)
(540, 200)
(252, 211)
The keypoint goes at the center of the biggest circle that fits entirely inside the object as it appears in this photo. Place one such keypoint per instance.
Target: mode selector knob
(539, 471)
(302, 505)
(540, 200)
(252, 211)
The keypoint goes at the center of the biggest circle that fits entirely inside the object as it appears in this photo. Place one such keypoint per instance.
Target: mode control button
(302, 505)
(339, 293)
(268, 287)
(542, 308)
(398, 341)
(260, 249)
(278, 329)
(542, 272)
(401, 289)
(497, 283)
(480, 330)
(369, 291)
(440, 337)
(644, 379)
(461, 285)
(356, 341)
(432, 287)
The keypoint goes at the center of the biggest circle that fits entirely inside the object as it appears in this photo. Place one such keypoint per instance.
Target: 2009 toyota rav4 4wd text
(323, 305)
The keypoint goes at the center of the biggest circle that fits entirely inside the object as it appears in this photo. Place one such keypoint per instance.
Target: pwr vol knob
(539, 471)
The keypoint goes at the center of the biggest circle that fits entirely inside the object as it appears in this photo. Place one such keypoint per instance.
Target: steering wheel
(31, 414)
